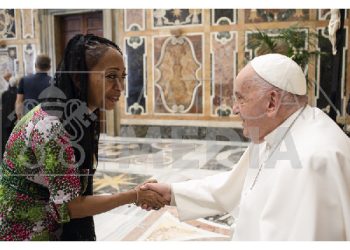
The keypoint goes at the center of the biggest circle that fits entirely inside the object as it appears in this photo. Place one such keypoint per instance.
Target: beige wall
(204, 54)
(19, 48)
(243, 23)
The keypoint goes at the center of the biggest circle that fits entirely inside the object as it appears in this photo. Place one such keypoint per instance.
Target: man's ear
(274, 103)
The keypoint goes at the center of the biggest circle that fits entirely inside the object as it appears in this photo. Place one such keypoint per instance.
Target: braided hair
(80, 55)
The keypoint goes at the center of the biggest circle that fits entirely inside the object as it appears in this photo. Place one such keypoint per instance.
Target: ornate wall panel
(223, 49)
(178, 74)
(27, 23)
(8, 59)
(223, 16)
(18, 43)
(276, 15)
(136, 63)
(134, 19)
(176, 17)
(7, 24)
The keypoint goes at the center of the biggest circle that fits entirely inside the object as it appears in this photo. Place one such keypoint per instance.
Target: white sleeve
(212, 195)
(312, 203)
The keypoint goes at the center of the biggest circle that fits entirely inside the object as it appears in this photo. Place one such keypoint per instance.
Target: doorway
(66, 26)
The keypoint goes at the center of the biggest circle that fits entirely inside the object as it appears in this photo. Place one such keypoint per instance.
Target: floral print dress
(38, 178)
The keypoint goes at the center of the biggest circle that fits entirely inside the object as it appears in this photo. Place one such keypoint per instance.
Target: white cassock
(301, 193)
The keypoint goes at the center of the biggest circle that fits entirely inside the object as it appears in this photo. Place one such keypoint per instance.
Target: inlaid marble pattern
(167, 227)
(117, 151)
(7, 24)
(176, 17)
(178, 74)
(134, 19)
(223, 16)
(192, 159)
(8, 59)
(185, 154)
(144, 155)
(135, 54)
(275, 15)
(223, 50)
(224, 158)
(114, 182)
(27, 23)
(29, 55)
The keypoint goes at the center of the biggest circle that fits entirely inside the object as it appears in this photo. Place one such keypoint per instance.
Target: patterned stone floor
(127, 162)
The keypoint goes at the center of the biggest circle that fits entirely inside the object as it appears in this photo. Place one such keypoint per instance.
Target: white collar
(275, 136)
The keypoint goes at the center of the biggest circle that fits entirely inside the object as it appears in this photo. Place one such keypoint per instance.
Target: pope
(293, 181)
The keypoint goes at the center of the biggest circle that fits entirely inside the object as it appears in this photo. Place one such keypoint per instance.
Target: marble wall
(176, 17)
(134, 19)
(276, 15)
(135, 88)
(224, 53)
(19, 40)
(191, 57)
(182, 62)
(178, 74)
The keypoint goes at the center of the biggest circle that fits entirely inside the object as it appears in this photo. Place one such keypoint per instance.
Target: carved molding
(9, 59)
(27, 23)
(164, 18)
(134, 19)
(177, 74)
(8, 24)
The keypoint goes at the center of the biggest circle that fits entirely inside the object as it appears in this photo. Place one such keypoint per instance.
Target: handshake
(152, 195)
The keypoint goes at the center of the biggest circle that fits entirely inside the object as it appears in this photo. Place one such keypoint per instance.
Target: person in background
(4, 85)
(8, 115)
(4, 82)
(31, 86)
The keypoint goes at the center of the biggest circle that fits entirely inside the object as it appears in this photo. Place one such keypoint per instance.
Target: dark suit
(31, 87)
(8, 116)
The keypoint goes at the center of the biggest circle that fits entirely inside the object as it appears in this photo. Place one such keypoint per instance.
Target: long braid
(81, 53)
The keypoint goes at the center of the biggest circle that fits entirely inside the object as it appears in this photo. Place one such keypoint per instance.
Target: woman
(46, 185)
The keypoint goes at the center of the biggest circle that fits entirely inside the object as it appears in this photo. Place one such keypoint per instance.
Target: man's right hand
(161, 188)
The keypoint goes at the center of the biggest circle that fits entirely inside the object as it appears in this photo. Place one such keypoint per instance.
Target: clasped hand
(153, 195)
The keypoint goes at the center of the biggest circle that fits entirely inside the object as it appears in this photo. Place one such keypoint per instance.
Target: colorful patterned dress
(38, 178)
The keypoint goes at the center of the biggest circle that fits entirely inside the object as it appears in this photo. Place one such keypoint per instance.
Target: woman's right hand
(151, 198)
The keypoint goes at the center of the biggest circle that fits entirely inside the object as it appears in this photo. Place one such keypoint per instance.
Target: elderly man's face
(251, 105)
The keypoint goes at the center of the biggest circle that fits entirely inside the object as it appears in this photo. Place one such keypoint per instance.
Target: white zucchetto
(280, 71)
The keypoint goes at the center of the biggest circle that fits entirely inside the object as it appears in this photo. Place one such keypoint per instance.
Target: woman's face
(106, 81)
